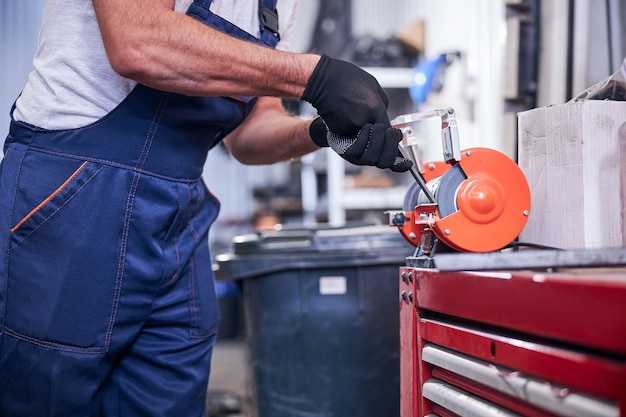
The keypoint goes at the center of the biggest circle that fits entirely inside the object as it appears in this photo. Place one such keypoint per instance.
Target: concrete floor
(230, 381)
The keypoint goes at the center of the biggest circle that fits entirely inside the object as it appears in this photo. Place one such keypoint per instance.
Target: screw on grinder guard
(475, 200)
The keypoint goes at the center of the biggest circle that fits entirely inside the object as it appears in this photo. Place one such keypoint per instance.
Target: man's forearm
(270, 135)
(157, 47)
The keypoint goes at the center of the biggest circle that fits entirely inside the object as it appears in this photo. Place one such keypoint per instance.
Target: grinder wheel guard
(483, 201)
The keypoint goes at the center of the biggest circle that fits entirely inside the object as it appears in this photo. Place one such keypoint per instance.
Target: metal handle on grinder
(449, 137)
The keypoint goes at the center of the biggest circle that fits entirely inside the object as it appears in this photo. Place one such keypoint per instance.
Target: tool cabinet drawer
(477, 376)
(463, 370)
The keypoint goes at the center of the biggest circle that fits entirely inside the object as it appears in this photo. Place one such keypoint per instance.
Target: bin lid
(265, 252)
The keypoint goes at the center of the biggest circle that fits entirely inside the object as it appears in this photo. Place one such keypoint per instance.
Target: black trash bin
(321, 319)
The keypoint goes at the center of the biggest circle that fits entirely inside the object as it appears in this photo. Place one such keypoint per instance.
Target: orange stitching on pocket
(50, 197)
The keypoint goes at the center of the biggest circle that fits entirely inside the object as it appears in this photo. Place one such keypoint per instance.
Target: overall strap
(204, 3)
(268, 19)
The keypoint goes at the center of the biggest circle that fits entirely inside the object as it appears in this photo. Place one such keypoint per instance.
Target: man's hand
(353, 116)
(374, 145)
(346, 96)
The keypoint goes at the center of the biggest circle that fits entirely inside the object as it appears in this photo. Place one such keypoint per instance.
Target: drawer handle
(558, 392)
(505, 374)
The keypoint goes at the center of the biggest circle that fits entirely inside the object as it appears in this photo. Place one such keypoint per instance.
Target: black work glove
(375, 145)
(353, 115)
(319, 132)
(346, 96)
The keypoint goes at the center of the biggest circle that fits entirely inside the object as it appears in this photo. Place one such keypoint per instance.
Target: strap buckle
(268, 19)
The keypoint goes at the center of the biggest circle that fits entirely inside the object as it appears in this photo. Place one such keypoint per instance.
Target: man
(106, 294)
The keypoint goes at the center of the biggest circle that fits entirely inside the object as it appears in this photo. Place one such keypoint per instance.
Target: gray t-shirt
(73, 84)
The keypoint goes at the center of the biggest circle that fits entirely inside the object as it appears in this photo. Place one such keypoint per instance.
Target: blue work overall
(107, 299)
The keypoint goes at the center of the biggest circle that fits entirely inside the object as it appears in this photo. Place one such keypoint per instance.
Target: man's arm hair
(147, 41)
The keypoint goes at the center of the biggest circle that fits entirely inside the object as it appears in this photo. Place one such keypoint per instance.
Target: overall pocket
(63, 263)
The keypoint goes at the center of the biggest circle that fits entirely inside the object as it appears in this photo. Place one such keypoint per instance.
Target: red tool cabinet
(512, 343)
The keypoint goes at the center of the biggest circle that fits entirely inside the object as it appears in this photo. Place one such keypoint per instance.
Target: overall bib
(107, 299)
